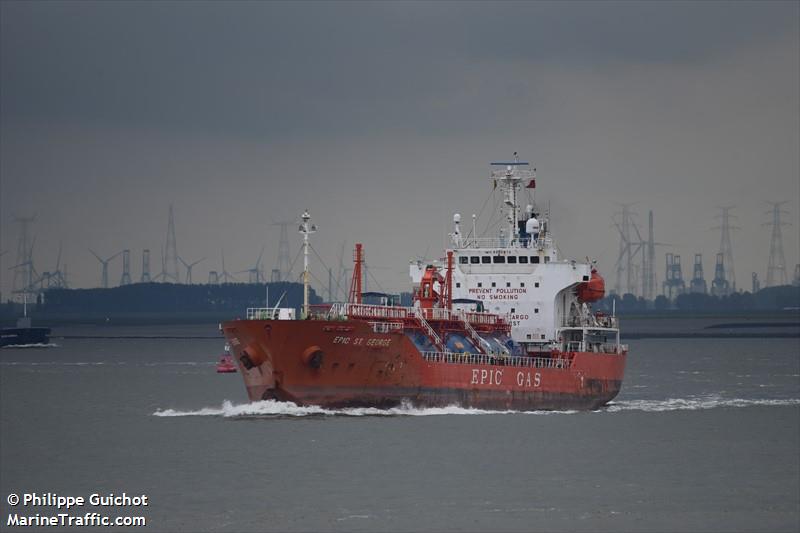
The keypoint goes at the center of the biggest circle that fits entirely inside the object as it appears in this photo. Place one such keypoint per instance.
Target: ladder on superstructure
(437, 341)
(477, 340)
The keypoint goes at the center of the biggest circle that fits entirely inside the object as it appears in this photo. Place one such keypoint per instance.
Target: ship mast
(306, 229)
(510, 181)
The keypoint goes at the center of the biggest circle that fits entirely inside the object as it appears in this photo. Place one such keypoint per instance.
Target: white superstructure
(518, 274)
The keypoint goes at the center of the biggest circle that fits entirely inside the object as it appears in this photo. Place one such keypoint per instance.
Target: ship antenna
(306, 229)
(510, 180)
(474, 232)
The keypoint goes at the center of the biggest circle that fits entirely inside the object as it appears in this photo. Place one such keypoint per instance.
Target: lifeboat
(592, 290)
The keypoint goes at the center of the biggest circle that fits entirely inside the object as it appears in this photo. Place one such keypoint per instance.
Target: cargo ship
(498, 323)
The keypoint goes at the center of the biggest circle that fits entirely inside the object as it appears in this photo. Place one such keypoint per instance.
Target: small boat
(226, 364)
(24, 334)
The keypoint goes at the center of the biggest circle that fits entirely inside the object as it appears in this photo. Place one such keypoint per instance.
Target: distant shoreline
(203, 326)
(737, 335)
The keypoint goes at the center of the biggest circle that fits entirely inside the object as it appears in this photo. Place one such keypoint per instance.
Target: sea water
(705, 436)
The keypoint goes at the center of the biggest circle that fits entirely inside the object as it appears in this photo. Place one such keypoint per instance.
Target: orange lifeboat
(592, 290)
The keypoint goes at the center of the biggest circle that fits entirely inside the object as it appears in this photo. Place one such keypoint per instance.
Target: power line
(776, 267)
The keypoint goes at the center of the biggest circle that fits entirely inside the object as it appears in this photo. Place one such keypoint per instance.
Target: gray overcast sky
(381, 119)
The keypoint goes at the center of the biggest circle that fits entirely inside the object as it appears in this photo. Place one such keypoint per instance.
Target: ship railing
(437, 313)
(574, 346)
(516, 172)
(497, 360)
(603, 348)
(483, 318)
(494, 242)
(590, 322)
(603, 322)
(386, 327)
(606, 321)
(351, 310)
(267, 313)
(606, 347)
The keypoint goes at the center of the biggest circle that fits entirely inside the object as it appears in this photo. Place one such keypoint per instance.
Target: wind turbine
(30, 274)
(55, 279)
(255, 272)
(105, 265)
(189, 268)
(58, 274)
(225, 275)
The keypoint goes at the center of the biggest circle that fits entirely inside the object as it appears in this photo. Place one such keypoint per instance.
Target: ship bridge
(517, 272)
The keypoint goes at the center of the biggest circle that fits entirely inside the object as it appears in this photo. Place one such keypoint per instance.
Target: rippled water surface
(705, 436)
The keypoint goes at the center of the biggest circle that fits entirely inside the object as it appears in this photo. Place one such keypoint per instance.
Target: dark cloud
(381, 117)
(269, 69)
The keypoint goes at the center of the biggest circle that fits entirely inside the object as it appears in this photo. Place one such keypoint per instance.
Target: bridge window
(463, 260)
(512, 258)
(513, 310)
(486, 259)
(547, 259)
(523, 259)
(499, 259)
(508, 283)
(536, 285)
(458, 285)
(535, 259)
(535, 309)
(522, 284)
(480, 284)
(474, 260)
(494, 284)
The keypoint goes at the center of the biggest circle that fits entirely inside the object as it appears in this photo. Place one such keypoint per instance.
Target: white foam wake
(274, 408)
(692, 404)
(284, 409)
(35, 345)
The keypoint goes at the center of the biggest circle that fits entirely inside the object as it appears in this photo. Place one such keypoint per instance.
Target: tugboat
(24, 334)
(500, 322)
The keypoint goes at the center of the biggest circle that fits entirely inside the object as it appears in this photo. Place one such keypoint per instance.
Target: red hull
(345, 363)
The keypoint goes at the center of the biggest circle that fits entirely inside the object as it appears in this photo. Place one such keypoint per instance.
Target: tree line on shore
(236, 297)
(173, 298)
(782, 298)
